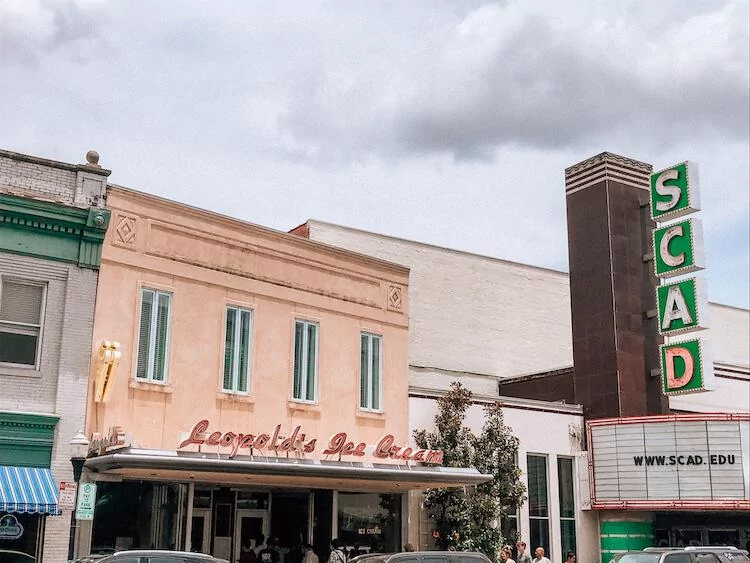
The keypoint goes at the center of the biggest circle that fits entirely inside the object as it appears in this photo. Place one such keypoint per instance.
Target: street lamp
(79, 449)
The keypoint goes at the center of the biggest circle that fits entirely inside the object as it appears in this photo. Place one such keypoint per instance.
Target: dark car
(159, 556)
(9, 556)
(422, 557)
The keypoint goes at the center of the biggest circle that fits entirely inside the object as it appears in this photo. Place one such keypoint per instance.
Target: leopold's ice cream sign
(298, 442)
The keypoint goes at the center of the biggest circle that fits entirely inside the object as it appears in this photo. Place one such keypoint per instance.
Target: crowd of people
(260, 550)
(524, 557)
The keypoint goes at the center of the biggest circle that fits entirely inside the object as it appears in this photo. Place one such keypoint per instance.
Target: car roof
(693, 548)
(434, 553)
(160, 552)
(364, 556)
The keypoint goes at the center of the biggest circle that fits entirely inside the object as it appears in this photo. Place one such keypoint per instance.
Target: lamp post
(79, 449)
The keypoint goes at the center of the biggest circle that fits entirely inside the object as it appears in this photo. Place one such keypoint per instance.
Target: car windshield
(643, 557)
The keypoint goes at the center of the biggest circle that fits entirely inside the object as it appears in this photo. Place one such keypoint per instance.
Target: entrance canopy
(279, 471)
(27, 490)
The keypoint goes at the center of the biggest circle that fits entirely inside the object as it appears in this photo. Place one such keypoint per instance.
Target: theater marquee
(697, 461)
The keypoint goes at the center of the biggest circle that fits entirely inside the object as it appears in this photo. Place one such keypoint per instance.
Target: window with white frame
(370, 371)
(510, 527)
(153, 335)
(305, 377)
(567, 504)
(536, 470)
(237, 349)
(21, 319)
(511, 532)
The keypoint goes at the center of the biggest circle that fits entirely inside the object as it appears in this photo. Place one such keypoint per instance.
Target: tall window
(153, 338)
(21, 316)
(567, 504)
(369, 374)
(305, 383)
(237, 350)
(511, 533)
(536, 468)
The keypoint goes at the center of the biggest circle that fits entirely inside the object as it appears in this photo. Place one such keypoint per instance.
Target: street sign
(682, 304)
(66, 498)
(86, 502)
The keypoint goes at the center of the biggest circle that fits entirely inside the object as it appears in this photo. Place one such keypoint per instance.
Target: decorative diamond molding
(395, 301)
(125, 231)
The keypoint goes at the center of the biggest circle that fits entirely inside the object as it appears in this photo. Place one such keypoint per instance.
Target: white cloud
(449, 122)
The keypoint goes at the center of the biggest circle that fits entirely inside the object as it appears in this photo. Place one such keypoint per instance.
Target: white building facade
(489, 322)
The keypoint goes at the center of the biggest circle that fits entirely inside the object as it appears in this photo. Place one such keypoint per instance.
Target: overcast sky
(444, 121)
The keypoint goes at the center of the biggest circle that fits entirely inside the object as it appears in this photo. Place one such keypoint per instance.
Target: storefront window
(536, 467)
(257, 501)
(370, 522)
(132, 515)
(19, 533)
(567, 504)
(511, 533)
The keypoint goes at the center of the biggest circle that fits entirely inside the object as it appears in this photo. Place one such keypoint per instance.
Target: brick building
(52, 224)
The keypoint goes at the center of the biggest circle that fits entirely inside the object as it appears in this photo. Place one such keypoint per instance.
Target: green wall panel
(26, 439)
(49, 230)
(618, 536)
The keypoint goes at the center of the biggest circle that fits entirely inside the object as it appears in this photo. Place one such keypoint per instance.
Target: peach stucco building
(262, 346)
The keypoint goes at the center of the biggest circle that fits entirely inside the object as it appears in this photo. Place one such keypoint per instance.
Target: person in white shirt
(539, 556)
(337, 554)
(309, 556)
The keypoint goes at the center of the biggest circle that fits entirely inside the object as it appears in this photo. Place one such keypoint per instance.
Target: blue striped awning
(27, 489)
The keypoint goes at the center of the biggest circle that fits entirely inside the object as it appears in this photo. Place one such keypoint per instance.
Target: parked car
(159, 556)
(419, 557)
(95, 555)
(692, 554)
(7, 556)
(371, 558)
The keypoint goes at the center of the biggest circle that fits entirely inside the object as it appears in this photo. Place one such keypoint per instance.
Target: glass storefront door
(249, 525)
(724, 537)
(200, 531)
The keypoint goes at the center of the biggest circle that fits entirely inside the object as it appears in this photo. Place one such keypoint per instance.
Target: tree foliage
(468, 517)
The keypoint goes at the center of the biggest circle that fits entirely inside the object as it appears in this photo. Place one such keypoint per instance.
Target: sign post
(66, 498)
(682, 304)
(86, 502)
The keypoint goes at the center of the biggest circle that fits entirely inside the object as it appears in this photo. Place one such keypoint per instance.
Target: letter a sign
(682, 304)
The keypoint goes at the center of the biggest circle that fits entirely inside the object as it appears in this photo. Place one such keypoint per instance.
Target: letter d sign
(685, 368)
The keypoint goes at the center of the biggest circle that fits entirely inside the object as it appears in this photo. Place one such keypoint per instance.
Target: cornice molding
(156, 202)
(28, 420)
(49, 230)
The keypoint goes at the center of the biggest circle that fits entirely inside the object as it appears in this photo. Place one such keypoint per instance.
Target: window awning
(27, 490)
(279, 472)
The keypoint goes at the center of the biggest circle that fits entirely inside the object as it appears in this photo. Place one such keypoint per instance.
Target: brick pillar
(611, 287)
